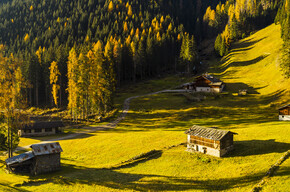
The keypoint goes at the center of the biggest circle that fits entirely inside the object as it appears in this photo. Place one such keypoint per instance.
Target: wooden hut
(208, 83)
(40, 128)
(284, 113)
(43, 158)
(209, 141)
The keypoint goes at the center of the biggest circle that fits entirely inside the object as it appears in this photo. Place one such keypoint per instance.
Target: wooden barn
(209, 141)
(40, 128)
(43, 158)
(208, 83)
(284, 113)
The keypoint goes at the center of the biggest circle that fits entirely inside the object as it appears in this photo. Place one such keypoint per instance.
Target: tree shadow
(224, 112)
(223, 68)
(156, 155)
(245, 44)
(258, 147)
(235, 87)
(116, 179)
(11, 188)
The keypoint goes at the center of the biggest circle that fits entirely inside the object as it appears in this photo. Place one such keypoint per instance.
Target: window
(48, 129)
(37, 130)
(204, 150)
(27, 131)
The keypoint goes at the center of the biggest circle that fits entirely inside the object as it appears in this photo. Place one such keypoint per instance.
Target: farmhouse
(284, 113)
(42, 159)
(208, 83)
(209, 141)
(40, 128)
(188, 86)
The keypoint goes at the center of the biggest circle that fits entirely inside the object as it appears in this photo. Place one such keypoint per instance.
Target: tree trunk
(36, 93)
(8, 142)
(60, 93)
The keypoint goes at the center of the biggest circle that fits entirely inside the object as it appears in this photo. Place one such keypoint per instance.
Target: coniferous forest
(126, 41)
(144, 95)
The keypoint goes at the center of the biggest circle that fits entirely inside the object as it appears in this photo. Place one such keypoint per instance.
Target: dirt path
(110, 125)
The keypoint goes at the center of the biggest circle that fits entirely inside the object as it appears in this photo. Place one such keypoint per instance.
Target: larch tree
(54, 81)
(72, 66)
(12, 100)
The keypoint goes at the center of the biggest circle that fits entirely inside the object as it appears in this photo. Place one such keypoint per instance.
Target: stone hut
(209, 141)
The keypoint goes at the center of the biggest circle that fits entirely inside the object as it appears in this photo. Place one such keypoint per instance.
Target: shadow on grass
(222, 69)
(142, 182)
(138, 161)
(245, 45)
(11, 188)
(226, 112)
(235, 87)
(258, 147)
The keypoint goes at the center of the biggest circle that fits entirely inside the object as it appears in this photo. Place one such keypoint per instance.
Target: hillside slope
(159, 121)
(254, 63)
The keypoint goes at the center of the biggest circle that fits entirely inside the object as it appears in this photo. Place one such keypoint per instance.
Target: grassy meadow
(159, 121)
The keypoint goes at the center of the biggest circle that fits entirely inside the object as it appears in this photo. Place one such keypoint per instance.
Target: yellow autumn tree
(11, 98)
(130, 12)
(72, 82)
(125, 27)
(26, 37)
(111, 6)
(54, 76)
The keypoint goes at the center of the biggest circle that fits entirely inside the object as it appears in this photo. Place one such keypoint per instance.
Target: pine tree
(188, 52)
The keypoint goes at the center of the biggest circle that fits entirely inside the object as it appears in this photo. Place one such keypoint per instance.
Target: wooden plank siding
(227, 141)
(204, 142)
(285, 111)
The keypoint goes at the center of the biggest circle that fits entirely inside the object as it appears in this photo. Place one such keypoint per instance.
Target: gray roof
(20, 158)
(46, 148)
(44, 125)
(212, 79)
(285, 106)
(208, 133)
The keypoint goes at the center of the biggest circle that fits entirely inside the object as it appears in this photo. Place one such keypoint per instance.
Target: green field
(159, 121)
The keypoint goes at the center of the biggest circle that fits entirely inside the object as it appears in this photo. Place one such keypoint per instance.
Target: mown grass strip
(271, 171)
(142, 157)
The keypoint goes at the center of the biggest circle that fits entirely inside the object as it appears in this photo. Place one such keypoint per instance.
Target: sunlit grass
(158, 121)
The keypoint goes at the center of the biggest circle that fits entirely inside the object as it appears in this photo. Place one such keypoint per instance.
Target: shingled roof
(46, 148)
(213, 80)
(208, 133)
(44, 125)
(285, 106)
(19, 158)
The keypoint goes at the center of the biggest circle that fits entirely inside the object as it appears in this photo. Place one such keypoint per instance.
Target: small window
(48, 129)
(38, 130)
(283, 116)
(27, 131)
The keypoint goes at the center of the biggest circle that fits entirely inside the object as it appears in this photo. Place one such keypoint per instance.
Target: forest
(73, 55)
(64, 47)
